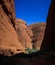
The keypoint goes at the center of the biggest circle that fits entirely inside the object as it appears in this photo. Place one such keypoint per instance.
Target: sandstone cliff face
(22, 32)
(37, 34)
(8, 8)
(8, 37)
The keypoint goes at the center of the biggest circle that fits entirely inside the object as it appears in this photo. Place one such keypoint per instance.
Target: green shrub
(31, 50)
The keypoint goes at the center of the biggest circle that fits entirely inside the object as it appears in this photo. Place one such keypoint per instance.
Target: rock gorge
(15, 31)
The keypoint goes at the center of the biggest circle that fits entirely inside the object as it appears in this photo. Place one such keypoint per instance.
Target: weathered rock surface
(37, 34)
(22, 32)
(8, 9)
(8, 37)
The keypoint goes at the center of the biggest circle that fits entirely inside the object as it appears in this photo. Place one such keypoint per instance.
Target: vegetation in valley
(33, 50)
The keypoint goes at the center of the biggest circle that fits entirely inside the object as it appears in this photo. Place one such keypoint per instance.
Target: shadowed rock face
(8, 37)
(37, 34)
(49, 37)
(22, 32)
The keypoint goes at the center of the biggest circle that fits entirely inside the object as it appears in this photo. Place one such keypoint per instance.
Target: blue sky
(32, 11)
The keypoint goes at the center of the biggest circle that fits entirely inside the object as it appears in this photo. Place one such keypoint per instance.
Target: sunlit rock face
(49, 37)
(8, 38)
(22, 32)
(8, 9)
(37, 34)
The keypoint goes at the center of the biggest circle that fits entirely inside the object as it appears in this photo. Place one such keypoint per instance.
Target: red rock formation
(46, 56)
(8, 8)
(22, 32)
(8, 37)
(37, 34)
(49, 37)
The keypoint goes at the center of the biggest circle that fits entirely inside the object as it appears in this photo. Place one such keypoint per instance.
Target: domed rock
(22, 32)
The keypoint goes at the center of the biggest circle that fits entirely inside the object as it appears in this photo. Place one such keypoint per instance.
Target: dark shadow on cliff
(49, 36)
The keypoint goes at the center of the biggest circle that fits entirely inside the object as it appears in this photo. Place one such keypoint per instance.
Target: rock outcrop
(9, 10)
(8, 37)
(22, 32)
(37, 34)
(49, 37)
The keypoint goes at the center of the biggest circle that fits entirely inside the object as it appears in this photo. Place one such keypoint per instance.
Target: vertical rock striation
(8, 37)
